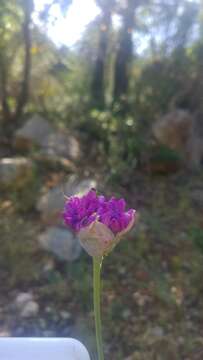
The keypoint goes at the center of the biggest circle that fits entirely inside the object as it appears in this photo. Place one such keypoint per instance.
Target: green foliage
(18, 246)
(164, 154)
(97, 125)
(28, 193)
(83, 289)
(196, 235)
(166, 75)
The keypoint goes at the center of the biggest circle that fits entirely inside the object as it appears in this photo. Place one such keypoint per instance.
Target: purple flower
(81, 211)
(99, 222)
(114, 216)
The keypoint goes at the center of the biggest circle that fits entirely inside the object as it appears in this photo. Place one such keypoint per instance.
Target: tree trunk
(24, 91)
(98, 81)
(124, 54)
(11, 118)
(3, 90)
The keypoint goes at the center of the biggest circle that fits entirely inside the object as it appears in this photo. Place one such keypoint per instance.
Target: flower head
(114, 216)
(80, 211)
(99, 222)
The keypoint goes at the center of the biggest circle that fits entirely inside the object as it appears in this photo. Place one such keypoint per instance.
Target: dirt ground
(152, 304)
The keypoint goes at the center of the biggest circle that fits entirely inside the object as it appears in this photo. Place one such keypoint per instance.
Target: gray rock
(22, 299)
(61, 242)
(26, 305)
(30, 309)
(65, 315)
(178, 131)
(61, 144)
(79, 187)
(53, 161)
(189, 325)
(157, 332)
(15, 172)
(33, 132)
(51, 203)
(181, 340)
(122, 270)
(126, 314)
(197, 196)
(48, 310)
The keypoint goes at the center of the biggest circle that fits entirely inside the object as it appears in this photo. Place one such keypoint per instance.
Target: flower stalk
(97, 264)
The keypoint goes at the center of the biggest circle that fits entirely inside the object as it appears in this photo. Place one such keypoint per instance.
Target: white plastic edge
(42, 349)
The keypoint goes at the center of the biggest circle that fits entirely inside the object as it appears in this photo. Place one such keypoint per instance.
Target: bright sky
(66, 31)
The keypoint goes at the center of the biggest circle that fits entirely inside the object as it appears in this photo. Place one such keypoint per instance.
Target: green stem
(97, 263)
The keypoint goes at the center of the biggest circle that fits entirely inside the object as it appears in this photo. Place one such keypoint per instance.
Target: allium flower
(99, 222)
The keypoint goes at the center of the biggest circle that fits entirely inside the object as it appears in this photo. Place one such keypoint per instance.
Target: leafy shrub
(164, 154)
(196, 234)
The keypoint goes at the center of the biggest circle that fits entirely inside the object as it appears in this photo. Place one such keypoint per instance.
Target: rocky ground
(152, 282)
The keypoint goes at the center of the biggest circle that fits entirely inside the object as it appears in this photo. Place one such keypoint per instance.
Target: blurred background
(105, 94)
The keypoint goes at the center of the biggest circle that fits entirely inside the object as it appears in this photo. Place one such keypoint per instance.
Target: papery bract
(96, 239)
